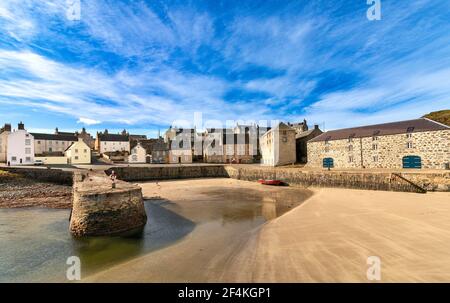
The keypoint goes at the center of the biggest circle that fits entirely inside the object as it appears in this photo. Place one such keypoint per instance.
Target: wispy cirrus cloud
(135, 62)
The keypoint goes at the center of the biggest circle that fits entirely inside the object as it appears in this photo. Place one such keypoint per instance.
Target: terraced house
(106, 142)
(57, 143)
(419, 143)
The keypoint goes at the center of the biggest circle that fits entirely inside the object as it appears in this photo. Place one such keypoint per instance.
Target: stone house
(278, 146)
(4, 132)
(142, 150)
(20, 147)
(160, 152)
(87, 138)
(182, 143)
(301, 140)
(78, 153)
(226, 147)
(419, 143)
(299, 127)
(191, 140)
(106, 142)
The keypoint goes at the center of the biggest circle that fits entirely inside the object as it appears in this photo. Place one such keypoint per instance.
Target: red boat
(270, 182)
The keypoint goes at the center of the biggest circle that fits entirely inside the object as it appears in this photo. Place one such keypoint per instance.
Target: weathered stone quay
(388, 181)
(99, 210)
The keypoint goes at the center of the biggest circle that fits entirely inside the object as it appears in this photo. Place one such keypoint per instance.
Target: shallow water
(35, 243)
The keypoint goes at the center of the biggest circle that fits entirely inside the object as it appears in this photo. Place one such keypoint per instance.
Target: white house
(278, 146)
(78, 153)
(138, 154)
(20, 147)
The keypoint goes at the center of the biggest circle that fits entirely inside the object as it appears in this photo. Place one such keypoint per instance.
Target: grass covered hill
(442, 116)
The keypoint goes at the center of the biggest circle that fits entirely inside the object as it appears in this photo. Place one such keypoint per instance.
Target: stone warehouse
(419, 143)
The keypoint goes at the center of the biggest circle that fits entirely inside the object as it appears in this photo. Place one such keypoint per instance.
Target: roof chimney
(316, 126)
(56, 131)
(21, 126)
(6, 128)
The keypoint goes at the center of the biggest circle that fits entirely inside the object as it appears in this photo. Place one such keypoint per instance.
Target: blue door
(412, 162)
(328, 162)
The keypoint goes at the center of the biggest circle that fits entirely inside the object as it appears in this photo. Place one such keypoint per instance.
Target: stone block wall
(168, 172)
(100, 210)
(354, 180)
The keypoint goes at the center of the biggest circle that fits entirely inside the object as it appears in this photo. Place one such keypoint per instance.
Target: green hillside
(442, 116)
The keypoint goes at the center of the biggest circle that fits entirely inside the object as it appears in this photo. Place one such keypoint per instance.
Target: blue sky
(142, 64)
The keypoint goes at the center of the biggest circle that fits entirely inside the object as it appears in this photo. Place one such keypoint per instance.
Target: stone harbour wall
(168, 172)
(100, 210)
(354, 180)
(295, 176)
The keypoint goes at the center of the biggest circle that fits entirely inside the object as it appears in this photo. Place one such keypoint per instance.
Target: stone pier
(100, 210)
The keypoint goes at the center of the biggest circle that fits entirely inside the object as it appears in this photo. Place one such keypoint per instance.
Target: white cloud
(88, 121)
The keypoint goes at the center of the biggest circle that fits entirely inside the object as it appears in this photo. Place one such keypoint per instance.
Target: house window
(85, 151)
(134, 157)
(27, 150)
(39, 142)
(285, 139)
(350, 159)
(375, 158)
(350, 139)
(14, 159)
(350, 148)
(50, 149)
(409, 145)
(327, 149)
(284, 133)
(374, 146)
(57, 142)
(408, 135)
(27, 142)
(27, 159)
(76, 157)
(375, 138)
(76, 151)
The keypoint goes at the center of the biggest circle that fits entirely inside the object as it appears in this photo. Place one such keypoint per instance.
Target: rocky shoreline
(19, 192)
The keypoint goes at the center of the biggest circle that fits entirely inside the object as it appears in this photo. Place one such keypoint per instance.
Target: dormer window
(410, 129)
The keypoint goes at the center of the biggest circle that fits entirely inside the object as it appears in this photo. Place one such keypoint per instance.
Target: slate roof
(393, 128)
(113, 137)
(304, 134)
(57, 137)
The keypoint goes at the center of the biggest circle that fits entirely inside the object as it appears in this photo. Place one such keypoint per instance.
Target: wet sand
(328, 238)
(225, 213)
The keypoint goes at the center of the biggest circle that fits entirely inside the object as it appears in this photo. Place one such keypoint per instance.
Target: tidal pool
(35, 242)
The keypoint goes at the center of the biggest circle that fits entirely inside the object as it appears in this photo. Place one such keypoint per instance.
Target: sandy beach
(328, 238)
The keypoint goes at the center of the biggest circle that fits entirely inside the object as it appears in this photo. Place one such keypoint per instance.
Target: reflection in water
(35, 243)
